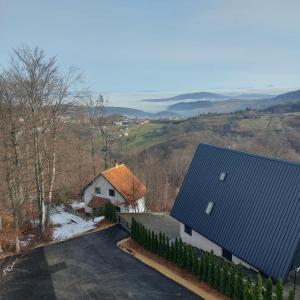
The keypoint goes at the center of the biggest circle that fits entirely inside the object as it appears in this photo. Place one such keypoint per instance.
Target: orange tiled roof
(97, 202)
(127, 184)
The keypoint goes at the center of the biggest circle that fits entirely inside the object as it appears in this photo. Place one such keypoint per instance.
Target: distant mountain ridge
(127, 112)
(211, 97)
(282, 103)
(190, 96)
(287, 97)
(236, 103)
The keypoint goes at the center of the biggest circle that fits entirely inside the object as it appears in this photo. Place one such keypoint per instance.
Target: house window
(112, 193)
(97, 190)
(223, 176)
(226, 254)
(188, 229)
(209, 208)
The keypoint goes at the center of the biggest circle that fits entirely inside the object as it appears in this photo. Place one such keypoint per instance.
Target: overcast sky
(127, 46)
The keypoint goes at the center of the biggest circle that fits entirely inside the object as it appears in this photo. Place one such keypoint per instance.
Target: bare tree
(98, 128)
(94, 110)
(44, 94)
(12, 136)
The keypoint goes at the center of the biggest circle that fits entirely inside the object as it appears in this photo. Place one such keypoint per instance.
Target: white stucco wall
(201, 242)
(238, 261)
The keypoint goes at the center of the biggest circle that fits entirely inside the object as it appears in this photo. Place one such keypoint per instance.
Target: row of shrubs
(225, 277)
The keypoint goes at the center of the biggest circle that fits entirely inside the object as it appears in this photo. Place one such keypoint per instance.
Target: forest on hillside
(54, 141)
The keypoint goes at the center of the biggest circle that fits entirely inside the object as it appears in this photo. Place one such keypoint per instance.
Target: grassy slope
(224, 129)
(143, 136)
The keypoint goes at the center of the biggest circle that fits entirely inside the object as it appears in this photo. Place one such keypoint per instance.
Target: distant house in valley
(117, 185)
(245, 207)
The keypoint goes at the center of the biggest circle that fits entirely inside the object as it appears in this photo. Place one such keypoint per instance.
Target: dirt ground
(169, 269)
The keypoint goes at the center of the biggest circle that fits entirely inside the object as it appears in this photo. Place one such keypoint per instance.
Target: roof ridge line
(252, 154)
(119, 165)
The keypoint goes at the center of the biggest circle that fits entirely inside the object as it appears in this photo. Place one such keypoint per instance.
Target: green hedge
(225, 277)
(110, 212)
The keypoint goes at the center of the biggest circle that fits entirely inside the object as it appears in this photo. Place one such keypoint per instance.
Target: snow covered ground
(68, 225)
(78, 205)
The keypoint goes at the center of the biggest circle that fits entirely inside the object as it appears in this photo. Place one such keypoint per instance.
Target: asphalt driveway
(88, 267)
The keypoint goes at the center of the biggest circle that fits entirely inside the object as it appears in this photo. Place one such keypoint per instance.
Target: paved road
(89, 267)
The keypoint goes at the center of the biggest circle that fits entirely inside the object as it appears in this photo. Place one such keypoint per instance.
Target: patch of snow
(10, 267)
(78, 205)
(69, 225)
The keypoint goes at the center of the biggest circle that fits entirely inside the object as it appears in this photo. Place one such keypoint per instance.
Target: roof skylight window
(223, 176)
(209, 208)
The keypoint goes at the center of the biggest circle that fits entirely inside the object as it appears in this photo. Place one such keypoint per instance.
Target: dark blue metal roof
(256, 213)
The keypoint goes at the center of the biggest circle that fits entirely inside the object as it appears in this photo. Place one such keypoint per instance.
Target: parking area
(156, 222)
(88, 267)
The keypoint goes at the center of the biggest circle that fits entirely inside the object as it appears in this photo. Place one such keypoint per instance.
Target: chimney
(116, 163)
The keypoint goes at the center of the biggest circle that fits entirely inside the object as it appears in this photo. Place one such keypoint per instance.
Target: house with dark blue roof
(245, 207)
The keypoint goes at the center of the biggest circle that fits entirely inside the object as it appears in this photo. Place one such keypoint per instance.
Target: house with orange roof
(117, 185)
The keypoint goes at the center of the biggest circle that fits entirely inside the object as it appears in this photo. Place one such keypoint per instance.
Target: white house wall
(104, 185)
(201, 242)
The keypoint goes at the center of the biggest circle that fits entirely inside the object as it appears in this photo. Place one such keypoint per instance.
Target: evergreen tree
(152, 242)
(205, 267)
(291, 295)
(156, 244)
(221, 287)
(163, 253)
(189, 261)
(200, 269)
(160, 246)
(144, 236)
(225, 289)
(172, 252)
(231, 281)
(148, 239)
(195, 263)
(279, 290)
(179, 253)
(114, 214)
(138, 232)
(210, 272)
(183, 262)
(239, 286)
(269, 289)
(176, 251)
(132, 231)
(259, 288)
(217, 271)
(248, 290)
(167, 249)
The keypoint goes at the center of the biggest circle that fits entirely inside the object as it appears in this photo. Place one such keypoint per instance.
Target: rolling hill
(287, 107)
(287, 97)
